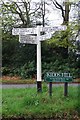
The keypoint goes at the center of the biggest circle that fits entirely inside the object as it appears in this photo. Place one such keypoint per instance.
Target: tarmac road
(30, 85)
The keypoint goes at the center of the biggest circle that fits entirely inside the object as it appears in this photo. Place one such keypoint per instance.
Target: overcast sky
(54, 16)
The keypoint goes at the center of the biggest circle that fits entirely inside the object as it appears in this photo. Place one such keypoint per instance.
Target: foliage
(29, 70)
(58, 67)
(66, 38)
(28, 104)
(23, 13)
(26, 71)
(19, 59)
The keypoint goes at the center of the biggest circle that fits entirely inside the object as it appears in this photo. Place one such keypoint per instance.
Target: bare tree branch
(35, 11)
(20, 13)
(57, 5)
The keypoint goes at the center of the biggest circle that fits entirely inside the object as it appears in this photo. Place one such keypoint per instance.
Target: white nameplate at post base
(27, 39)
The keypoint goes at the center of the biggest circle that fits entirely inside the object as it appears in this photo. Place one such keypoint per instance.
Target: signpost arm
(39, 83)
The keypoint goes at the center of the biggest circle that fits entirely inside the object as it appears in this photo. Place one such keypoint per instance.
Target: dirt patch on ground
(11, 78)
(50, 118)
(18, 80)
(64, 116)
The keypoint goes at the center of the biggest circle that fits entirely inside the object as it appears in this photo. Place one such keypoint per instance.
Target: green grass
(27, 103)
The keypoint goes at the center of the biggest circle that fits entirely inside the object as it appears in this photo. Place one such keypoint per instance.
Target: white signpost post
(27, 35)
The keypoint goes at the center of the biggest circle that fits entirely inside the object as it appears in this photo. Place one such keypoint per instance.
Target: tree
(20, 12)
(65, 39)
(65, 11)
(14, 15)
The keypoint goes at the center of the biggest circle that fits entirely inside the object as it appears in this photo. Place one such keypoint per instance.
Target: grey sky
(54, 16)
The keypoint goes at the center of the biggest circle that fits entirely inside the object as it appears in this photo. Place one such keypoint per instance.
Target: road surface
(29, 85)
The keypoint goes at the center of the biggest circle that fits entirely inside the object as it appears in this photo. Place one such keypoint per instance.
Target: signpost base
(65, 89)
(39, 86)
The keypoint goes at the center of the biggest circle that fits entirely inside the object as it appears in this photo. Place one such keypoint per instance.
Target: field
(26, 103)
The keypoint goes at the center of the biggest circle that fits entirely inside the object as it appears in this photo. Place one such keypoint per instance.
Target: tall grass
(26, 102)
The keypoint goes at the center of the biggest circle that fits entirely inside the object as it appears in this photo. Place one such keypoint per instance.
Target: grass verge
(26, 103)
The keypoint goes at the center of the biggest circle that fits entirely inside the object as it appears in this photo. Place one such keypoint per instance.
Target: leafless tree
(21, 12)
(64, 10)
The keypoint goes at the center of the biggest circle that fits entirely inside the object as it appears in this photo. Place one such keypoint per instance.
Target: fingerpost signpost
(33, 36)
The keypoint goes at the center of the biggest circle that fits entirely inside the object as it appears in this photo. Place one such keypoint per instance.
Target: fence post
(65, 88)
(50, 89)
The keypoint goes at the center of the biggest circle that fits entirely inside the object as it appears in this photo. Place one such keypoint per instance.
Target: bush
(60, 66)
(26, 71)
(18, 58)
(5, 70)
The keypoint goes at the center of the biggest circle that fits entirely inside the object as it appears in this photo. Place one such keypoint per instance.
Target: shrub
(28, 70)
(5, 70)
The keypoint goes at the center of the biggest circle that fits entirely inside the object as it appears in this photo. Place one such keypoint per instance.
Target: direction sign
(15, 31)
(27, 39)
(33, 39)
(23, 31)
(45, 37)
(55, 28)
(58, 77)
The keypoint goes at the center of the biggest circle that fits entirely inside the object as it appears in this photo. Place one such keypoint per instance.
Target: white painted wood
(55, 28)
(38, 55)
(23, 31)
(33, 39)
(28, 39)
(15, 31)
(45, 37)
